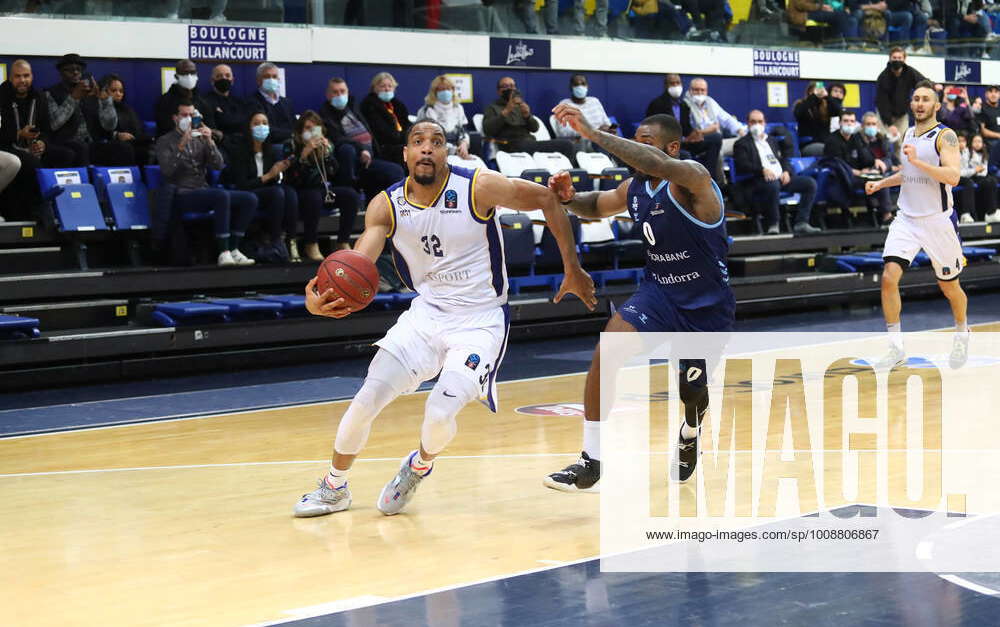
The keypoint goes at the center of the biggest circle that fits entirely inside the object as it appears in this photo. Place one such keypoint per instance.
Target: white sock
(420, 465)
(962, 327)
(687, 431)
(896, 334)
(336, 479)
(592, 439)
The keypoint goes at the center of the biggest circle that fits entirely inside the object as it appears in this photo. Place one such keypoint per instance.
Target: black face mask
(895, 66)
(223, 85)
(505, 94)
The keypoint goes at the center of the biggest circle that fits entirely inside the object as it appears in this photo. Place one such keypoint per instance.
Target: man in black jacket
(65, 102)
(671, 103)
(231, 113)
(853, 150)
(353, 143)
(764, 159)
(510, 121)
(268, 100)
(24, 132)
(893, 89)
(184, 90)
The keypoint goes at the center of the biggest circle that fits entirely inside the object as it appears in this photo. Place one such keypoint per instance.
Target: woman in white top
(441, 106)
(592, 109)
(978, 197)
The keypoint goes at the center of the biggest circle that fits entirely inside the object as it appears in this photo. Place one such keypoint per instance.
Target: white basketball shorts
(426, 341)
(938, 237)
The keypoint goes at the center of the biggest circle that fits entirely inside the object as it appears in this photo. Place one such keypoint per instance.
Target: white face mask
(699, 99)
(184, 123)
(187, 81)
(675, 91)
(757, 130)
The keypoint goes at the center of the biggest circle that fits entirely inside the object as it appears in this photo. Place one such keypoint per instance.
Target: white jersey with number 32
(449, 252)
(919, 194)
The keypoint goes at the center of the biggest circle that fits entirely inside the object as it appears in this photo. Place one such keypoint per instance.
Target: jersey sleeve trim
(472, 201)
(392, 216)
(687, 214)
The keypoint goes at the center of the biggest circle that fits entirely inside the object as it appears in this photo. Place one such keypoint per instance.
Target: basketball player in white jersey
(446, 244)
(926, 220)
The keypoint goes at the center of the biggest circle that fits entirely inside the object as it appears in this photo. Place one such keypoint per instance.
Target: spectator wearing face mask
(443, 107)
(387, 116)
(977, 198)
(592, 109)
(185, 155)
(230, 111)
(764, 158)
(879, 145)
(183, 90)
(818, 114)
(251, 167)
(671, 102)
(268, 99)
(354, 144)
(955, 112)
(849, 156)
(708, 120)
(893, 88)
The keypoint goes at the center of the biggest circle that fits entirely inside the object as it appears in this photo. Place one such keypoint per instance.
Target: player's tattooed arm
(585, 205)
(950, 169)
(588, 205)
(652, 161)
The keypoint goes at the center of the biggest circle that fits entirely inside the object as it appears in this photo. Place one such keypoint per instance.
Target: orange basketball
(351, 276)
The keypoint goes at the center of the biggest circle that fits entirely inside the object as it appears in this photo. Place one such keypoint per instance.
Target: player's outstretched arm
(589, 205)
(494, 189)
(378, 222)
(890, 181)
(949, 172)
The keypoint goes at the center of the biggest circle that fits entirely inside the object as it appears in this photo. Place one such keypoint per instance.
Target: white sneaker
(993, 217)
(2, 220)
(240, 259)
(959, 350)
(226, 259)
(966, 219)
(894, 358)
(323, 500)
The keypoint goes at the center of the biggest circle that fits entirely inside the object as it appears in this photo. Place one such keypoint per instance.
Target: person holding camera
(509, 122)
(66, 101)
(185, 155)
(955, 112)
(127, 144)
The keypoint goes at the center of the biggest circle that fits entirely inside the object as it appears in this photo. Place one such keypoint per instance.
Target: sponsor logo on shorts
(945, 271)
(451, 199)
(555, 409)
(472, 361)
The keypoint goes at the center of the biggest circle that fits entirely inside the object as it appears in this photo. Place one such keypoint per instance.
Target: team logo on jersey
(472, 361)
(450, 199)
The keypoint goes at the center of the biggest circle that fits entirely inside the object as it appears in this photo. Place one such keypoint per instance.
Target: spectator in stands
(850, 157)
(268, 99)
(893, 88)
(818, 114)
(230, 112)
(217, 7)
(910, 20)
(551, 13)
(251, 166)
(955, 112)
(879, 145)
(183, 90)
(977, 198)
(24, 132)
(709, 16)
(354, 13)
(311, 174)
(708, 120)
(185, 155)
(592, 109)
(989, 121)
(387, 116)
(765, 159)
(127, 144)
(357, 155)
(443, 107)
(659, 19)
(841, 25)
(67, 101)
(968, 22)
(509, 121)
(671, 102)
(10, 165)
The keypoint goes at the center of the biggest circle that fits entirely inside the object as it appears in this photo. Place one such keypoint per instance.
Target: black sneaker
(579, 477)
(686, 458)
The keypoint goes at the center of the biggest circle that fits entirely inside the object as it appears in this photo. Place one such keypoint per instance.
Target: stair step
(35, 259)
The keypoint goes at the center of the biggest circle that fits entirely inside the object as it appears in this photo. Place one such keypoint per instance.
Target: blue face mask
(580, 91)
(338, 102)
(271, 85)
(952, 96)
(444, 96)
(260, 132)
(386, 96)
(871, 131)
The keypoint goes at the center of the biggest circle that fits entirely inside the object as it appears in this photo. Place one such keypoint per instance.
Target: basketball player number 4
(432, 245)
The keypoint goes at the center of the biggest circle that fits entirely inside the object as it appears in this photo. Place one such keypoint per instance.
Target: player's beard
(926, 117)
(425, 179)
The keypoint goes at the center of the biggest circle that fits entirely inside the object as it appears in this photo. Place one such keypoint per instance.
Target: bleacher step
(75, 315)
(759, 265)
(35, 259)
(23, 233)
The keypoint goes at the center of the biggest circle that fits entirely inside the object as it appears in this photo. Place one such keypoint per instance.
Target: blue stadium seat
(125, 195)
(18, 328)
(536, 175)
(245, 309)
(75, 203)
(292, 305)
(613, 177)
(150, 128)
(189, 313)
(518, 243)
(803, 165)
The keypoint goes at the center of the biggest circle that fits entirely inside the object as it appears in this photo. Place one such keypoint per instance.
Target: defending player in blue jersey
(679, 211)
